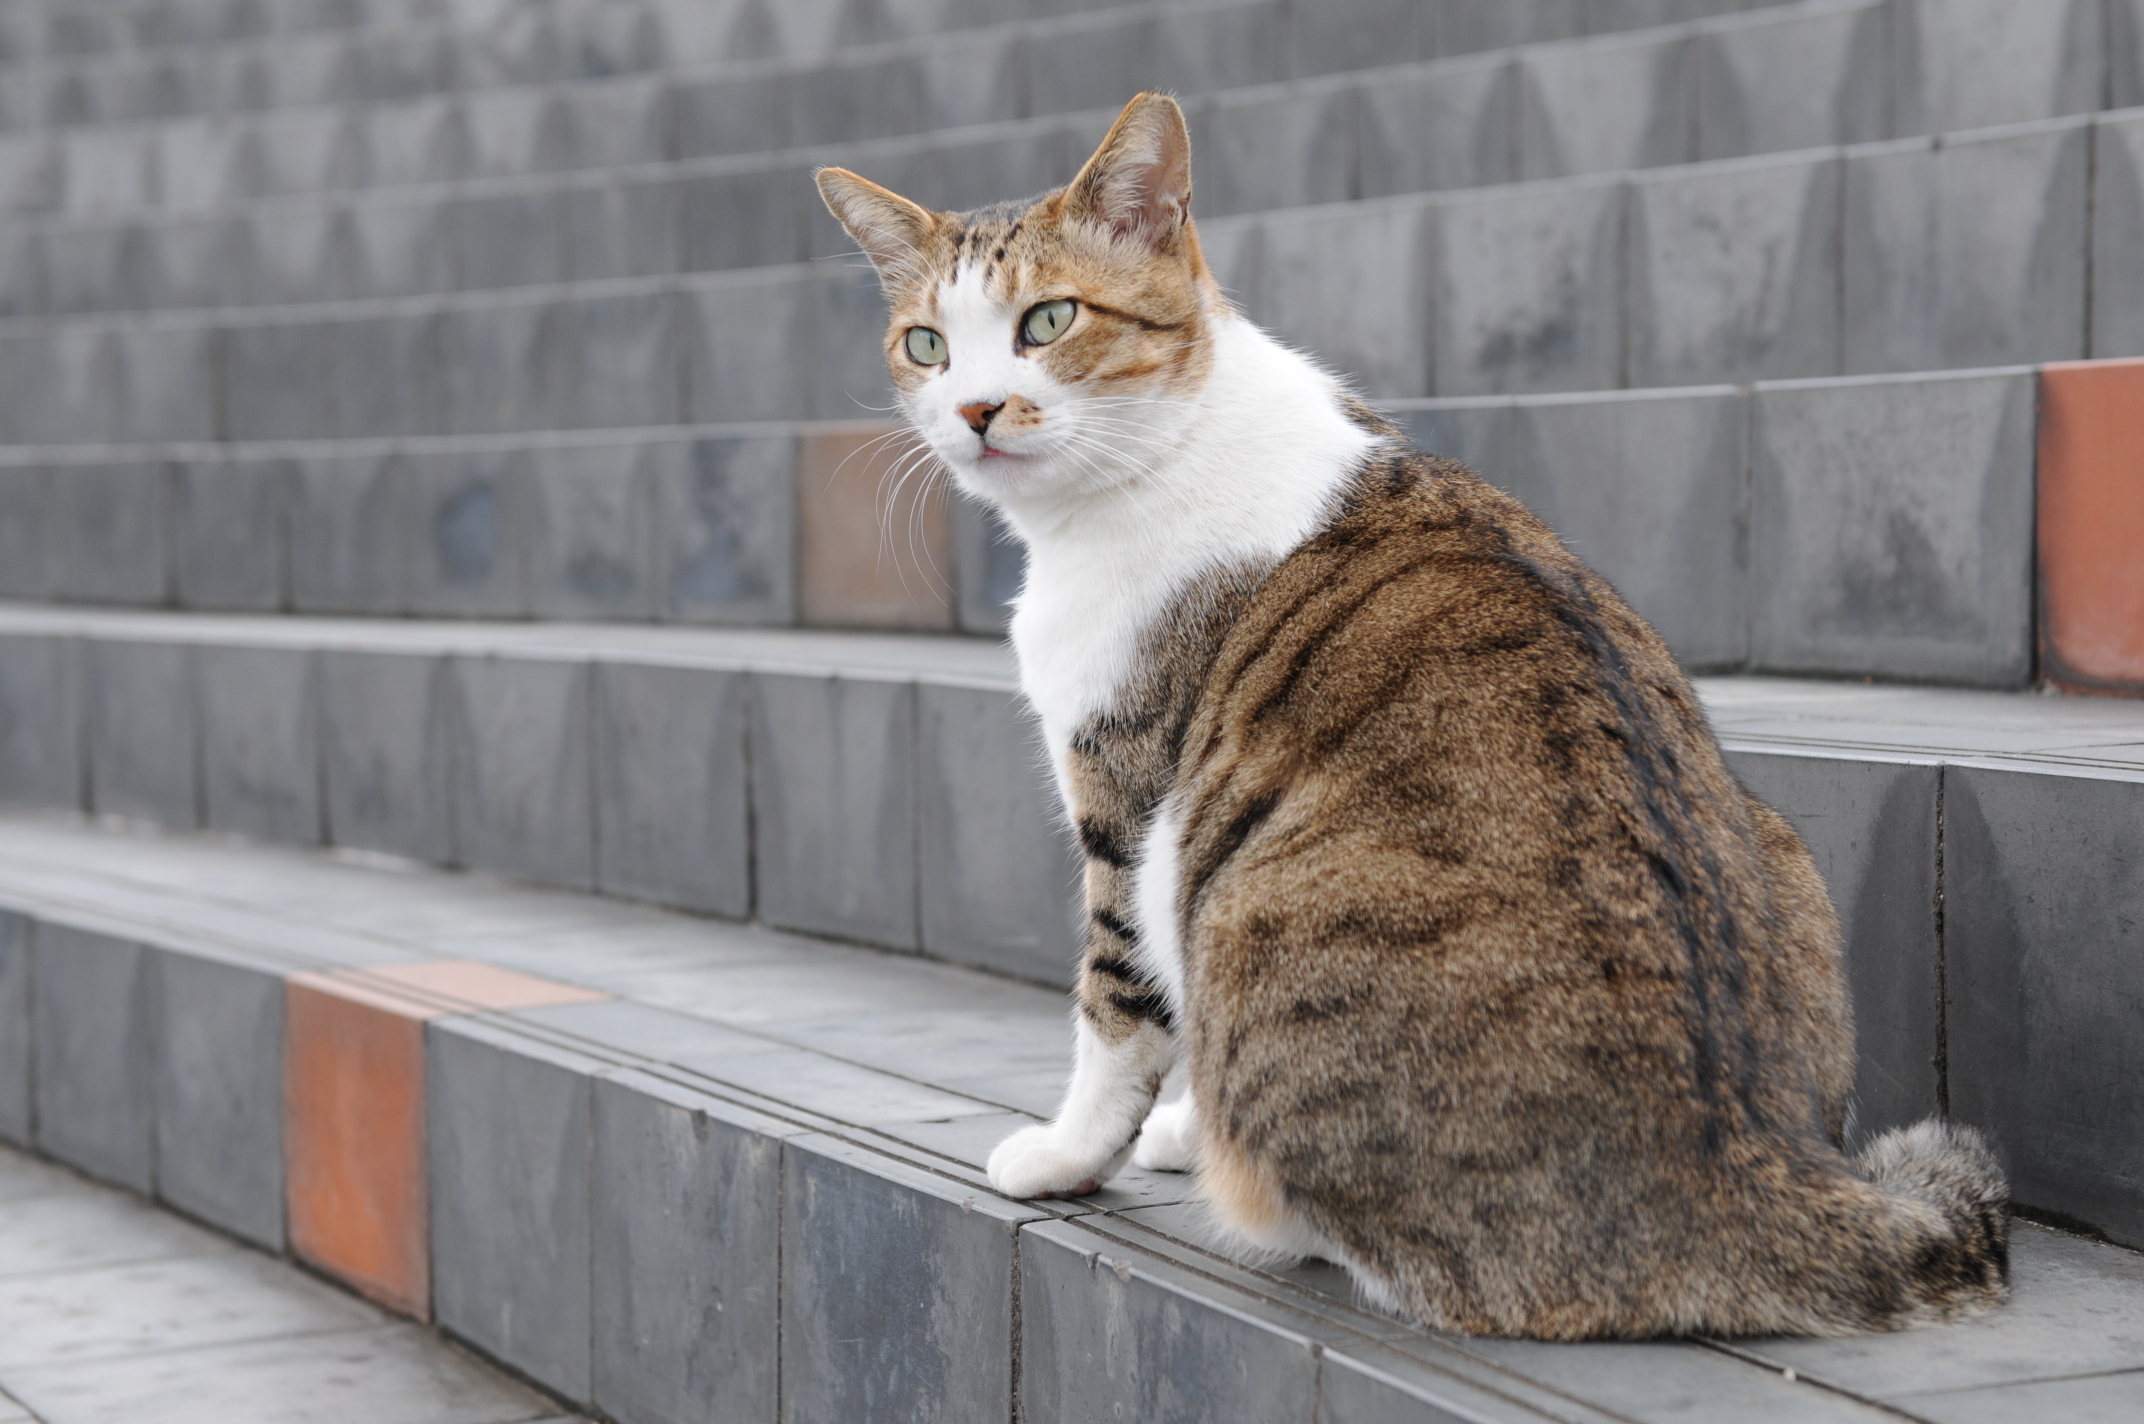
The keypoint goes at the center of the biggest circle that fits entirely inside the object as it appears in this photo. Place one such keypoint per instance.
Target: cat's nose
(979, 415)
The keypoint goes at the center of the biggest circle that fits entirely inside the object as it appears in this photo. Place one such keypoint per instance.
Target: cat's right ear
(1138, 184)
(889, 228)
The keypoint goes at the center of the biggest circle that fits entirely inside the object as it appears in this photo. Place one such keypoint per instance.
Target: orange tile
(2091, 495)
(464, 984)
(353, 1136)
(874, 541)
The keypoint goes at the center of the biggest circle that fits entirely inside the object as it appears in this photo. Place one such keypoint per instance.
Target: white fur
(1089, 1140)
(1154, 905)
(1169, 1141)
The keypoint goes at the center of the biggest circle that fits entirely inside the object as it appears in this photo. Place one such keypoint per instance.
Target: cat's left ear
(1138, 184)
(888, 227)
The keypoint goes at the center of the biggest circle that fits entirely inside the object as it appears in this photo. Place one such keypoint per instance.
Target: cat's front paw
(1035, 1162)
(1168, 1142)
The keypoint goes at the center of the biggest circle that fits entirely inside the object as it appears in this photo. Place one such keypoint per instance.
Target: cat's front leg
(1113, 1088)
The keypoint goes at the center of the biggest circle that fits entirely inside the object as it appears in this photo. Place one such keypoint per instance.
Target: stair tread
(930, 1064)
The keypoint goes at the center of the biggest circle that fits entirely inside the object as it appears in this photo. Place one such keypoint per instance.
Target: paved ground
(113, 1312)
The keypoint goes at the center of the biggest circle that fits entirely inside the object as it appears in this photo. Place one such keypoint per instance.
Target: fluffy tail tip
(1950, 1168)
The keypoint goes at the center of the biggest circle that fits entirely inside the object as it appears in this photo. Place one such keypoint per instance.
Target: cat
(1491, 982)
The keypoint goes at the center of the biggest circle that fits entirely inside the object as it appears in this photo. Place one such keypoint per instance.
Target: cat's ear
(1138, 183)
(889, 228)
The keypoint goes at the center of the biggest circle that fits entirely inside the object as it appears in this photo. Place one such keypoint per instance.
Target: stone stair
(440, 526)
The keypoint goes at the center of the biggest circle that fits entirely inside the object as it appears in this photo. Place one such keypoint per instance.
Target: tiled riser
(655, 1244)
(1796, 77)
(1890, 258)
(914, 815)
(1266, 39)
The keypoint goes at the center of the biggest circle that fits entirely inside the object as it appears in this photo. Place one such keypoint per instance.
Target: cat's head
(1043, 348)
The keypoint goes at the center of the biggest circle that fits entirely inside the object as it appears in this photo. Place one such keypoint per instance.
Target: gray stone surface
(18, 1094)
(345, 517)
(2044, 895)
(2099, 1399)
(897, 1290)
(1477, 432)
(1648, 488)
(229, 541)
(989, 566)
(218, 1041)
(143, 731)
(725, 529)
(998, 879)
(673, 817)
(1274, 148)
(680, 1335)
(464, 532)
(589, 510)
(1872, 828)
(1733, 272)
(1353, 286)
(1793, 79)
(29, 520)
(94, 1031)
(1107, 1332)
(259, 742)
(41, 751)
(385, 752)
(733, 379)
(1599, 105)
(522, 767)
(507, 1147)
(1890, 527)
(1963, 64)
(834, 805)
(2118, 236)
(113, 539)
(1527, 291)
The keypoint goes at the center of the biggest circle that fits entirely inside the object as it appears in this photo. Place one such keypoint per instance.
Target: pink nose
(979, 415)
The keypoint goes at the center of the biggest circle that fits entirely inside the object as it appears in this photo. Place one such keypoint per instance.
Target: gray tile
(1527, 295)
(193, 262)
(41, 752)
(400, 246)
(673, 818)
(1478, 433)
(400, 1372)
(466, 532)
(387, 374)
(1093, 64)
(871, 95)
(1436, 126)
(590, 540)
(998, 878)
(834, 800)
(843, 1091)
(2076, 1308)
(1353, 287)
(1466, 28)
(617, 358)
(85, 1227)
(845, 348)
(974, 77)
(494, 358)
(733, 377)
(110, 1313)
(29, 527)
(283, 253)
(507, 1130)
(23, 1177)
(1734, 272)
(897, 1290)
(1373, 32)
(114, 533)
(219, 1076)
(1107, 1332)
(2125, 54)
(384, 753)
(2098, 1399)
(1890, 527)
(168, 386)
(509, 239)
(142, 732)
(1963, 64)
(18, 1118)
(228, 550)
(2044, 902)
(1650, 490)
(989, 565)
(1600, 105)
(344, 520)
(522, 773)
(2118, 236)
(94, 1029)
(628, 227)
(725, 529)
(1872, 827)
(718, 113)
(682, 1334)
(743, 219)
(259, 742)
(1792, 80)
(278, 383)
(96, 265)
(1274, 148)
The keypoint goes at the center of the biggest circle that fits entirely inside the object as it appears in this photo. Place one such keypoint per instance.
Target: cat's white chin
(1039, 1161)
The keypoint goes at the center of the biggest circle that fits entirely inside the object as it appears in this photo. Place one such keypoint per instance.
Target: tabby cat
(1490, 980)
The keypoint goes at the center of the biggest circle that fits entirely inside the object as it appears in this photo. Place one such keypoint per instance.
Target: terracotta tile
(353, 1136)
(2091, 493)
(874, 542)
(464, 984)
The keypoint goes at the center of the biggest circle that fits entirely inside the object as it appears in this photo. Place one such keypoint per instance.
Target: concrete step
(2004, 246)
(887, 790)
(1864, 526)
(579, 39)
(667, 1167)
(604, 180)
(1782, 78)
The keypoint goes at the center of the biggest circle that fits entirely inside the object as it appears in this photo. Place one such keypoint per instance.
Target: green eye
(1045, 323)
(925, 347)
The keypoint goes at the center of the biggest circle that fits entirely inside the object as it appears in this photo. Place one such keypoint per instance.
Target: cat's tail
(1953, 1202)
